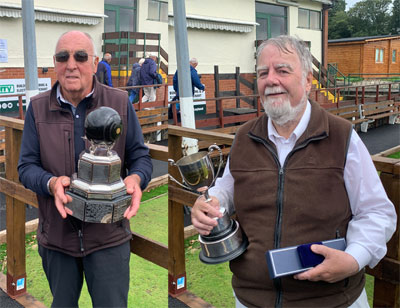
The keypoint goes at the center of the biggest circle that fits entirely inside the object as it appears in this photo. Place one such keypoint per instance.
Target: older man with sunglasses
(51, 144)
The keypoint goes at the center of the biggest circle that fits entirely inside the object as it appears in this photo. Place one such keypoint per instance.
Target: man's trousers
(106, 273)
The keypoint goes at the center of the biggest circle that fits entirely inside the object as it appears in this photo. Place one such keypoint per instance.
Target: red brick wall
(225, 85)
(19, 73)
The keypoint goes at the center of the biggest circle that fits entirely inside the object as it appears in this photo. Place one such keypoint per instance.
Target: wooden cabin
(366, 55)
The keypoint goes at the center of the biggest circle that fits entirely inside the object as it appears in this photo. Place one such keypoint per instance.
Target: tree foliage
(365, 18)
(395, 18)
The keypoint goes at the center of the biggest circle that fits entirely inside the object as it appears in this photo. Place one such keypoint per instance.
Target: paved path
(381, 138)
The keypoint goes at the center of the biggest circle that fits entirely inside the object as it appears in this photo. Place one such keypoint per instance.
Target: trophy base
(224, 249)
(98, 211)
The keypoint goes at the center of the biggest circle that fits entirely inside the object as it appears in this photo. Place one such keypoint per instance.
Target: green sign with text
(7, 89)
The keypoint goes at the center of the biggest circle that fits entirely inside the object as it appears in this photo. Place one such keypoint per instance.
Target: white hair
(282, 42)
(194, 61)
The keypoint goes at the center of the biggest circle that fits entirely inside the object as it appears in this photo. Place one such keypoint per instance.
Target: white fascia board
(54, 15)
(214, 23)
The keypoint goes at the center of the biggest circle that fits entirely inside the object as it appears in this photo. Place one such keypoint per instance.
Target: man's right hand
(57, 189)
(203, 213)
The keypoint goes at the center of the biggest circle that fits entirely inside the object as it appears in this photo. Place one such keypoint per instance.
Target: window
(121, 15)
(394, 53)
(379, 55)
(309, 19)
(271, 19)
(158, 10)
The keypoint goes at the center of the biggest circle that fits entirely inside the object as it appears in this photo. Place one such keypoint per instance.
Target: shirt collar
(298, 131)
(60, 98)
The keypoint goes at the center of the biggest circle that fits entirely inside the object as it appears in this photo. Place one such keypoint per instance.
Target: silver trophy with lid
(226, 240)
(97, 189)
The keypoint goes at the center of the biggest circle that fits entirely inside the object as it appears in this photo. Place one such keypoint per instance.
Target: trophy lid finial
(103, 125)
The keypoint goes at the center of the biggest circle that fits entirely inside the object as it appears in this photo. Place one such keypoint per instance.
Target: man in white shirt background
(299, 175)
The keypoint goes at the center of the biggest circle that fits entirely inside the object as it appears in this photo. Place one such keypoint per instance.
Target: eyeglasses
(79, 56)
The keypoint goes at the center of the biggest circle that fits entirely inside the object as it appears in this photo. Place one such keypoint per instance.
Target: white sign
(198, 94)
(17, 87)
(3, 51)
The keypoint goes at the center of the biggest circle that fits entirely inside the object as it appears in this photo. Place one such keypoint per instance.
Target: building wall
(150, 26)
(227, 49)
(47, 34)
(348, 57)
(370, 66)
(359, 57)
(310, 35)
(394, 67)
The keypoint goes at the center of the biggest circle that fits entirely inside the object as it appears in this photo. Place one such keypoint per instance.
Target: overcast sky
(350, 3)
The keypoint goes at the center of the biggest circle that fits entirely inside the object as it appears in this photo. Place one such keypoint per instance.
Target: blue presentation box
(286, 261)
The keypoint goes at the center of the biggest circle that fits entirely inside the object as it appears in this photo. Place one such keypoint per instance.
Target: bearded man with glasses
(51, 144)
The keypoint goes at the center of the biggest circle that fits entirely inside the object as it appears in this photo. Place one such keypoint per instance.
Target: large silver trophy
(97, 190)
(226, 241)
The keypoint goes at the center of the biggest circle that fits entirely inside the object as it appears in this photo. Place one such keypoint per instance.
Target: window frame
(268, 16)
(379, 55)
(159, 2)
(308, 26)
(394, 55)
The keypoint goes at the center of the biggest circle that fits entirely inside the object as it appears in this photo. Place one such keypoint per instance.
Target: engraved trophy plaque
(97, 190)
(226, 240)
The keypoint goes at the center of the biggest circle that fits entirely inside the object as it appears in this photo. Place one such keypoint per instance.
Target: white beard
(279, 109)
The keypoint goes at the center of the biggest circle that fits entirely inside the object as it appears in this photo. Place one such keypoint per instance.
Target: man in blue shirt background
(195, 78)
(103, 72)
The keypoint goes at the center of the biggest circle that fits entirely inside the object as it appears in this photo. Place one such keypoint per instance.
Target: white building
(224, 32)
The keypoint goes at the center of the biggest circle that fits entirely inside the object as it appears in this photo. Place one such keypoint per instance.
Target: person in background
(299, 175)
(134, 80)
(53, 139)
(103, 72)
(148, 73)
(195, 79)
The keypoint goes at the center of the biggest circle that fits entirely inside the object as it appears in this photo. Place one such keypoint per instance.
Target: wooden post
(140, 98)
(176, 252)
(20, 107)
(377, 94)
(216, 85)
(387, 272)
(166, 95)
(255, 90)
(237, 85)
(16, 268)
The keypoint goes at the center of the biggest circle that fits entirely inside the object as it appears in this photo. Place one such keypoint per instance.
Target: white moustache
(274, 90)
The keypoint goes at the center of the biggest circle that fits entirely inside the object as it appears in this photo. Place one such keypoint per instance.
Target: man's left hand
(132, 184)
(337, 266)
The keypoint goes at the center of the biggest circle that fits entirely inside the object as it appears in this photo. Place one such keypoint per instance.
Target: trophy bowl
(226, 241)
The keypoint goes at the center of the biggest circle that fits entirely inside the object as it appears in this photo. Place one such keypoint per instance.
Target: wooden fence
(17, 196)
(386, 273)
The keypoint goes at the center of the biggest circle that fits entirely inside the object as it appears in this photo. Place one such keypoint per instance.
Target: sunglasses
(79, 56)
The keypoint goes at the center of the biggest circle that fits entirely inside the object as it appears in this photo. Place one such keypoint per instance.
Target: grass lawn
(213, 282)
(395, 155)
(148, 287)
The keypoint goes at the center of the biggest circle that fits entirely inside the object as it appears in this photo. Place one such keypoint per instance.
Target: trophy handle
(211, 148)
(172, 163)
